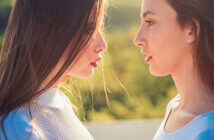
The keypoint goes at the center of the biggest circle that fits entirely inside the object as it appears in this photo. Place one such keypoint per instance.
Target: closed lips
(95, 63)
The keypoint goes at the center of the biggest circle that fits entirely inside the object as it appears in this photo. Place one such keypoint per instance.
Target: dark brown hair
(203, 53)
(38, 33)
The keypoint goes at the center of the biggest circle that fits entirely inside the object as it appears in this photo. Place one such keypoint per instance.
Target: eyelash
(149, 22)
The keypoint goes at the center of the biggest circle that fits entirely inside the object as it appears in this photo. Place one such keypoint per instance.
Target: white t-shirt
(53, 118)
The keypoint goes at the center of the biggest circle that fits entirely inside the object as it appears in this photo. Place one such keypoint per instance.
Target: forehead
(152, 4)
(158, 7)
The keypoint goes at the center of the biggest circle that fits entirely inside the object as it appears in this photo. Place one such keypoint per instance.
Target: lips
(148, 58)
(95, 63)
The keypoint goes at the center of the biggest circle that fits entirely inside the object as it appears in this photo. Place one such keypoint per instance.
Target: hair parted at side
(203, 52)
(38, 33)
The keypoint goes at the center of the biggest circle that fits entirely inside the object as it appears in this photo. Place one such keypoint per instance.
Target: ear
(192, 31)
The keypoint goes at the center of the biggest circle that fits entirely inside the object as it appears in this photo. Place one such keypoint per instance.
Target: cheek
(85, 59)
(167, 49)
(87, 55)
(165, 39)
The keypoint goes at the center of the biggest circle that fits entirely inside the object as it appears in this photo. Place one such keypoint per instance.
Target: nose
(139, 39)
(101, 46)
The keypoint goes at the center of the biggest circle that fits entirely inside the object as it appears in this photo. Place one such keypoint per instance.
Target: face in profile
(85, 63)
(166, 46)
(89, 58)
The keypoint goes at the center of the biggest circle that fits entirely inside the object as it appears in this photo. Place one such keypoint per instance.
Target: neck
(193, 96)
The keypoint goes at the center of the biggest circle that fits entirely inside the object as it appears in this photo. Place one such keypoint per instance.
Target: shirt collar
(52, 98)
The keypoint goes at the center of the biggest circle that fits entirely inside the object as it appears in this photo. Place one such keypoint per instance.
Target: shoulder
(17, 126)
(206, 124)
(206, 135)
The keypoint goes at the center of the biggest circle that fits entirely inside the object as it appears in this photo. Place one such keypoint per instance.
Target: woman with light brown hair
(176, 36)
(45, 42)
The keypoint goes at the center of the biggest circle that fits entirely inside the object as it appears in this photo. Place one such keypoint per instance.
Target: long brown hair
(38, 33)
(203, 53)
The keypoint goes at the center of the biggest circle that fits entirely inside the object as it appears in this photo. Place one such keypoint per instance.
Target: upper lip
(98, 59)
(144, 53)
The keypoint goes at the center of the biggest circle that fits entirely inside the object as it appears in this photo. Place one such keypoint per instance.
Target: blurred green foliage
(6, 2)
(122, 87)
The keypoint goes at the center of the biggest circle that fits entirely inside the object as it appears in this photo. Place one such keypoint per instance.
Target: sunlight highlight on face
(161, 38)
(88, 61)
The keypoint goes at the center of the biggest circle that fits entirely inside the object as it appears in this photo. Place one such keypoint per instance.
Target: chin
(157, 72)
(83, 75)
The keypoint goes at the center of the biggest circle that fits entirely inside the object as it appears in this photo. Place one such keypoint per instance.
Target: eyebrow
(147, 13)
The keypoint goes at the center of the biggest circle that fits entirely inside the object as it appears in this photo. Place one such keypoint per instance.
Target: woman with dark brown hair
(46, 41)
(176, 36)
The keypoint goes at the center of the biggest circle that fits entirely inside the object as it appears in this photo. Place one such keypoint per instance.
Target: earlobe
(193, 30)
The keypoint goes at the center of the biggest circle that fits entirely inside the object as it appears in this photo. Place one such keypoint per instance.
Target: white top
(52, 119)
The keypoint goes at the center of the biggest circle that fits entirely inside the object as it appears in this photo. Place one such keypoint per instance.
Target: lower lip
(94, 64)
(148, 59)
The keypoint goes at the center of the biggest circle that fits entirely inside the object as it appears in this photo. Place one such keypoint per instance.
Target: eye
(149, 22)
